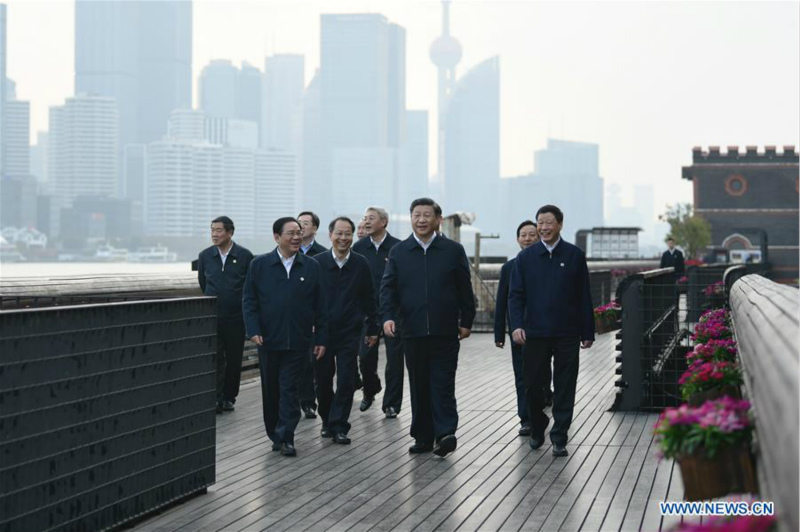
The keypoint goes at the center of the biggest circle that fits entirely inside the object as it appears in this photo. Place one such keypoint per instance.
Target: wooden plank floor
(611, 480)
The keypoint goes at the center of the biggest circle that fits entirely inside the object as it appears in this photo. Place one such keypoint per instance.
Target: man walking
(673, 258)
(427, 288)
(348, 290)
(221, 271)
(375, 248)
(550, 305)
(309, 223)
(285, 315)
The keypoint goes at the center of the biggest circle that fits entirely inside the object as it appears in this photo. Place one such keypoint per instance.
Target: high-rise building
(313, 185)
(362, 177)
(2, 86)
(413, 179)
(472, 145)
(39, 155)
(219, 89)
(17, 137)
(173, 178)
(139, 53)
(276, 190)
(187, 125)
(249, 97)
(282, 93)
(84, 147)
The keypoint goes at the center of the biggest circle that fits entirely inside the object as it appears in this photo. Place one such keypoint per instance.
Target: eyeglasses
(292, 234)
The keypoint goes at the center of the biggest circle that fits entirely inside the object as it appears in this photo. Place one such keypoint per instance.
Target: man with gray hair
(375, 247)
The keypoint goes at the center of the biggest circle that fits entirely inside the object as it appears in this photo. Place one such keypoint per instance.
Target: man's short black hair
(341, 219)
(552, 209)
(670, 238)
(437, 210)
(523, 224)
(314, 218)
(277, 227)
(226, 222)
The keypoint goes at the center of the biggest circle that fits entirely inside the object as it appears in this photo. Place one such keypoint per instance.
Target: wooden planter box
(730, 471)
(699, 398)
(604, 324)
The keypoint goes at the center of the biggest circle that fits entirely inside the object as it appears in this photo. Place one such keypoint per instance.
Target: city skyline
(590, 94)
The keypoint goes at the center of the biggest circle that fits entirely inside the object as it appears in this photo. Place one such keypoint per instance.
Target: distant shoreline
(55, 269)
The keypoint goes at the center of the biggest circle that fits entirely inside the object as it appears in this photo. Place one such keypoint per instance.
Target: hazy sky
(645, 80)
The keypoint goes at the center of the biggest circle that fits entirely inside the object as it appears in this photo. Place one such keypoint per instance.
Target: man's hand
(519, 336)
(371, 341)
(257, 340)
(319, 351)
(388, 329)
(586, 344)
(463, 333)
(500, 344)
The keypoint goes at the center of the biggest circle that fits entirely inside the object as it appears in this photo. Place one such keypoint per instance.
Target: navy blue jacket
(315, 249)
(673, 260)
(501, 320)
(350, 297)
(289, 313)
(377, 258)
(225, 282)
(549, 295)
(428, 292)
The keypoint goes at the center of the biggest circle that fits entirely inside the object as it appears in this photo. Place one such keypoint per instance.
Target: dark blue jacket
(225, 282)
(350, 297)
(549, 295)
(377, 259)
(428, 292)
(501, 320)
(289, 313)
(673, 260)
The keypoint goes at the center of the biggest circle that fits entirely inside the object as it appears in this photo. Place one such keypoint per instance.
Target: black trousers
(432, 363)
(280, 379)
(565, 353)
(308, 394)
(230, 346)
(519, 383)
(339, 361)
(368, 364)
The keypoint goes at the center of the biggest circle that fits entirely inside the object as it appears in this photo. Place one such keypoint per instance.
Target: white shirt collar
(551, 248)
(340, 263)
(287, 263)
(375, 242)
(424, 244)
(305, 248)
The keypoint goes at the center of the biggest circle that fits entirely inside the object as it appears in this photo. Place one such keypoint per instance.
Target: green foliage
(691, 232)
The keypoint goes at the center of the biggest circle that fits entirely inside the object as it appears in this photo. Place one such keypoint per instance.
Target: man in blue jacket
(427, 288)
(375, 248)
(285, 315)
(221, 271)
(550, 305)
(351, 306)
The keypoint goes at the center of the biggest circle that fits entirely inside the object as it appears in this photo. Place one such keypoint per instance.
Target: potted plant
(713, 325)
(711, 443)
(713, 351)
(682, 283)
(606, 317)
(710, 380)
(715, 293)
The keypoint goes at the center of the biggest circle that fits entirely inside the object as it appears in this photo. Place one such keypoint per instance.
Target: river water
(51, 269)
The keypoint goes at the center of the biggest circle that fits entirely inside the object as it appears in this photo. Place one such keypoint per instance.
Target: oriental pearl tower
(445, 54)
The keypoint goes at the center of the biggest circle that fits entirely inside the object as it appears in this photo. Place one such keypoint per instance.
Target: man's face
(361, 232)
(671, 244)
(549, 228)
(423, 221)
(290, 238)
(307, 225)
(219, 236)
(528, 236)
(373, 223)
(342, 237)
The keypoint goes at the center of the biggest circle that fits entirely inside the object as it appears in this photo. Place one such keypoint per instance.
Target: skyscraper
(472, 145)
(276, 190)
(16, 134)
(139, 53)
(282, 93)
(219, 89)
(249, 97)
(413, 179)
(2, 86)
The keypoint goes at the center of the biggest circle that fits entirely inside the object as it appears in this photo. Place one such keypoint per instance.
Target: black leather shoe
(276, 446)
(525, 430)
(391, 413)
(341, 438)
(559, 450)
(420, 447)
(445, 445)
(228, 406)
(536, 443)
(287, 449)
(219, 407)
(309, 412)
(366, 402)
(325, 432)
(548, 397)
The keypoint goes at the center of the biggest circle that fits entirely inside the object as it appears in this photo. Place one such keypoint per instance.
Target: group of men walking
(317, 315)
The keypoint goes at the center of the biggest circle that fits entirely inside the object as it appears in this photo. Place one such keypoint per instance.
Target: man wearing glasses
(285, 315)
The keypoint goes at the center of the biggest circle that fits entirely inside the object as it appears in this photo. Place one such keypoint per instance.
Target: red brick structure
(750, 198)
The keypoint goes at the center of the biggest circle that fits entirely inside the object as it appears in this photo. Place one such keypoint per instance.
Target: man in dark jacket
(526, 237)
(285, 315)
(550, 305)
(673, 258)
(427, 288)
(375, 248)
(309, 223)
(221, 271)
(351, 305)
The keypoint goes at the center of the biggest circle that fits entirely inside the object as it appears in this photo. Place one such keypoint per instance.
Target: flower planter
(730, 471)
(699, 398)
(604, 324)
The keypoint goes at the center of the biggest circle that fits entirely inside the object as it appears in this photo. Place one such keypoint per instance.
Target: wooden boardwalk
(612, 479)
